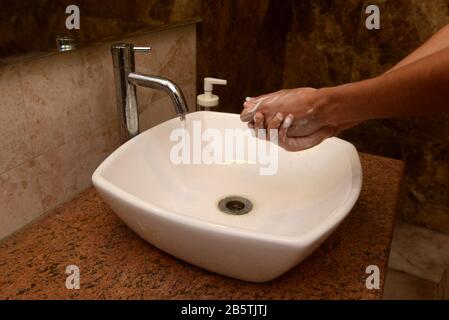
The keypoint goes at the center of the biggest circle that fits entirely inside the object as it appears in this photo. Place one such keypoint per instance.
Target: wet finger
(249, 111)
(285, 126)
(273, 125)
(258, 123)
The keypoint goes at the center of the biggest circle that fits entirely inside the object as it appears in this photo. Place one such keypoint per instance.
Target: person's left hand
(300, 102)
(295, 143)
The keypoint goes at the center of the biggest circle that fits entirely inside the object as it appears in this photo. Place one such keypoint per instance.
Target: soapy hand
(298, 143)
(300, 123)
(298, 102)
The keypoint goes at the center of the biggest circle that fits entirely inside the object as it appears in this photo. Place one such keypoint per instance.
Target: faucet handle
(142, 49)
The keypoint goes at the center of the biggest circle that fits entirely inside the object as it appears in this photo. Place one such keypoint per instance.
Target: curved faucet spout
(126, 80)
(163, 84)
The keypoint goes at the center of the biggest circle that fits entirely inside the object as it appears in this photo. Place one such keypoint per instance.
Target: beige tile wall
(58, 119)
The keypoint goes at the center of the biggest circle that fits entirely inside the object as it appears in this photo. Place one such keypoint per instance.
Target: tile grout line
(27, 119)
(45, 212)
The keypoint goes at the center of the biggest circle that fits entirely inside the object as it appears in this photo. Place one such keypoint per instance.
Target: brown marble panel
(243, 42)
(33, 25)
(20, 201)
(422, 142)
(321, 43)
(15, 145)
(262, 46)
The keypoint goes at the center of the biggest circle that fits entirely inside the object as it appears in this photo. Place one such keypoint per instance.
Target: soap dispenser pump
(209, 101)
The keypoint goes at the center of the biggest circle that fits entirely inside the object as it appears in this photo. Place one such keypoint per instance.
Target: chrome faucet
(126, 80)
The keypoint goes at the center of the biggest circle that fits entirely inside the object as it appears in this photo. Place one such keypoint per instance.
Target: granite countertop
(117, 264)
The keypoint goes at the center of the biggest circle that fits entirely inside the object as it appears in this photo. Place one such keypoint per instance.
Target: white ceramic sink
(175, 206)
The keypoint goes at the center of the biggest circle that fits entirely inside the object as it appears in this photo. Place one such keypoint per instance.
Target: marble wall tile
(55, 99)
(325, 43)
(190, 93)
(100, 87)
(67, 170)
(59, 172)
(173, 56)
(100, 144)
(163, 110)
(180, 64)
(443, 287)
(15, 145)
(419, 251)
(403, 286)
(20, 200)
(160, 111)
(58, 119)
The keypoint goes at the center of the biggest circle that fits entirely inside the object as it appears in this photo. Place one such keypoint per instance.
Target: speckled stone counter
(116, 264)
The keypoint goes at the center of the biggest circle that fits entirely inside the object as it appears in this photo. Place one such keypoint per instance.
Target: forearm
(439, 41)
(420, 88)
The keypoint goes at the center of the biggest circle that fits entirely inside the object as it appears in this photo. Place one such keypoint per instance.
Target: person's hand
(302, 122)
(298, 143)
(300, 103)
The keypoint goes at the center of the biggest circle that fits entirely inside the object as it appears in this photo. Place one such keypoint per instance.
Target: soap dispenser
(207, 100)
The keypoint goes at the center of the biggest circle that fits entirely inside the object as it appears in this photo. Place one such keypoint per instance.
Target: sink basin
(175, 207)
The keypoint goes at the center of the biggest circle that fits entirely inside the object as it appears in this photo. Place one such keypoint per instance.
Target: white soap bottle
(209, 101)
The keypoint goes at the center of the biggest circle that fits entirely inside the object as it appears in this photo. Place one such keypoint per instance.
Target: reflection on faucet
(166, 85)
(126, 81)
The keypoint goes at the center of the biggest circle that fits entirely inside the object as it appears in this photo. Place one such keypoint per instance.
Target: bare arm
(418, 88)
(418, 85)
(439, 41)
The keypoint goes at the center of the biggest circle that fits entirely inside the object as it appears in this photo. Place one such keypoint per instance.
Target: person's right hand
(300, 103)
(297, 143)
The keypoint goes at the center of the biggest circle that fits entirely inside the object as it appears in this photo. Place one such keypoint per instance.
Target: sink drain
(235, 205)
